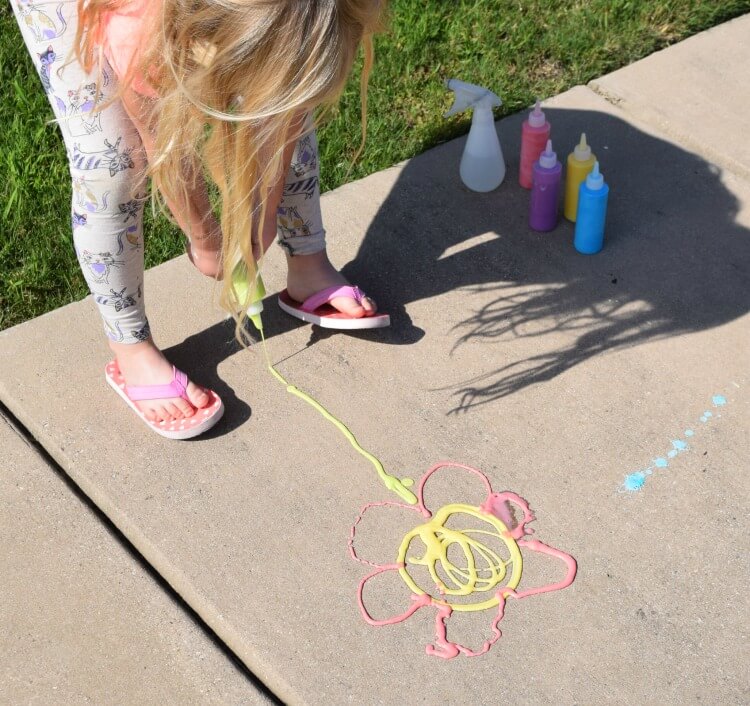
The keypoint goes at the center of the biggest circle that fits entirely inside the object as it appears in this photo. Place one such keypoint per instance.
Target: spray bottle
(251, 298)
(580, 163)
(535, 132)
(545, 193)
(592, 213)
(482, 165)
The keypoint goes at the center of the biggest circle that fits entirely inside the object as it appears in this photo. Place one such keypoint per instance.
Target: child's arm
(195, 216)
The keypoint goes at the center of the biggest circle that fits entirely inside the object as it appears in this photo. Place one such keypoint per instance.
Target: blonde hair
(232, 78)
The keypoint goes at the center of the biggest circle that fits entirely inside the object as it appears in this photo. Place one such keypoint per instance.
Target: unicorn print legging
(107, 160)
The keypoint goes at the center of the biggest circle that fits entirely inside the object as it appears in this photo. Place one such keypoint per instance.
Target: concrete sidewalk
(556, 374)
(81, 621)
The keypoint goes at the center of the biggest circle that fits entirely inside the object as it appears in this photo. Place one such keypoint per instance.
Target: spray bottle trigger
(470, 96)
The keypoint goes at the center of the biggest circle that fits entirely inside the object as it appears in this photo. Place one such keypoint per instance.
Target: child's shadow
(675, 260)
(203, 352)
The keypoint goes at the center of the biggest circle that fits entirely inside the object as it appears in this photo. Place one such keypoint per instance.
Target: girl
(168, 89)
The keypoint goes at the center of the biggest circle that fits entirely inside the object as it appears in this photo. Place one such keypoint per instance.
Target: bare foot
(309, 274)
(144, 364)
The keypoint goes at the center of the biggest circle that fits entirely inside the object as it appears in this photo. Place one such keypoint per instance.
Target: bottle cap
(536, 116)
(595, 180)
(548, 158)
(582, 151)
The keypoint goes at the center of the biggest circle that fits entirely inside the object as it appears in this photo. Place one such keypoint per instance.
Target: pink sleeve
(123, 32)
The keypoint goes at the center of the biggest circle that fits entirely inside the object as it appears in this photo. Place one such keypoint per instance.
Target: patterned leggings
(107, 161)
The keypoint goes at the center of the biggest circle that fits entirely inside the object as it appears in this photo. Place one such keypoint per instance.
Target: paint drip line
(633, 482)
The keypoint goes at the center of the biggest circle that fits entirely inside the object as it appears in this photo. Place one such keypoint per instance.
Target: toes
(198, 396)
(173, 410)
(352, 308)
(370, 306)
(164, 413)
(156, 413)
(185, 408)
(348, 306)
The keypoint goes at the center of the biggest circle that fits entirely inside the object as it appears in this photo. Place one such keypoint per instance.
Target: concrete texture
(555, 373)
(696, 91)
(81, 621)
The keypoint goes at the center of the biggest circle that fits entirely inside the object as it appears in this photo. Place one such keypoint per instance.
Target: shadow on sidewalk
(675, 261)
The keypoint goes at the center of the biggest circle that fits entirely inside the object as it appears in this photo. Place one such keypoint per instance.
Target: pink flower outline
(495, 504)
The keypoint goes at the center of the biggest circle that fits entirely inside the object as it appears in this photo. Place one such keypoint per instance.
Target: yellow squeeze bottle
(251, 299)
(580, 163)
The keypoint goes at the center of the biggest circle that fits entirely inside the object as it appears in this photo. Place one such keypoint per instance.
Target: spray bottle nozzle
(470, 96)
(249, 295)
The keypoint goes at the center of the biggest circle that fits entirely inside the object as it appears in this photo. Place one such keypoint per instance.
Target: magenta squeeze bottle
(535, 132)
(545, 192)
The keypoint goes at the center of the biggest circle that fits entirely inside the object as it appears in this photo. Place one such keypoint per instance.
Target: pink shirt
(122, 35)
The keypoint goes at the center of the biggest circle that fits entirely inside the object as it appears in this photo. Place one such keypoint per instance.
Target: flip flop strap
(176, 388)
(325, 295)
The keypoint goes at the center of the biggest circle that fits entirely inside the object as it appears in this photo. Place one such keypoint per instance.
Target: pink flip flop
(317, 310)
(203, 419)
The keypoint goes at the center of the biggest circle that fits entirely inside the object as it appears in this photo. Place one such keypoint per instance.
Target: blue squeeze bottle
(592, 213)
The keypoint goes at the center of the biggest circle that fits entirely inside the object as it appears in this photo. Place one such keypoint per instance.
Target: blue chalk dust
(635, 481)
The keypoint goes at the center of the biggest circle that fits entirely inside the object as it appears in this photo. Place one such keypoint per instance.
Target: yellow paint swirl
(484, 570)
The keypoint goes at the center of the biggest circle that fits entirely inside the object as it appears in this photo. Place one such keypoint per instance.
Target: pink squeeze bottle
(534, 135)
(545, 194)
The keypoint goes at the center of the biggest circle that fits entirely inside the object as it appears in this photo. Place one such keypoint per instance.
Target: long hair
(233, 78)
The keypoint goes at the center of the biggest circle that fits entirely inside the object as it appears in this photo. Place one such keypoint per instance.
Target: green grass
(520, 48)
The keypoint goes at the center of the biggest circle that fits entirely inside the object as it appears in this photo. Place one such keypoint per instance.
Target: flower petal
(386, 594)
(472, 493)
(537, 546)
(446, 648)
(379, 536)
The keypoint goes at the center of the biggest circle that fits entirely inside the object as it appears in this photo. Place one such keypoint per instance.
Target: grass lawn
(521, 49)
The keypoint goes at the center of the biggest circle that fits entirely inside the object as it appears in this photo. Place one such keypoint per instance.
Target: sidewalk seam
(653, 120)
(15, 424)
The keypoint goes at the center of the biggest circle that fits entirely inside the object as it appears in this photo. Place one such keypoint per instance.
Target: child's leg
(301, 233)
(299, 221)
(107, 164)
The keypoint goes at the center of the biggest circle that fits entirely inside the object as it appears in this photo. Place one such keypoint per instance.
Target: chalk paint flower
(461, 558)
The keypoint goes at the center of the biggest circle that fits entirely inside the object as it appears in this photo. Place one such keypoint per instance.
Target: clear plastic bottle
(482, 165)
(535, 132)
